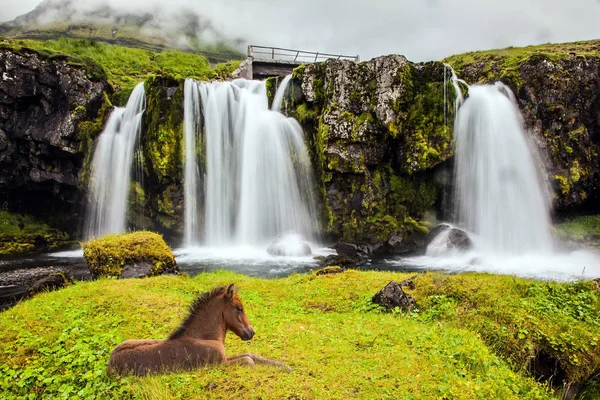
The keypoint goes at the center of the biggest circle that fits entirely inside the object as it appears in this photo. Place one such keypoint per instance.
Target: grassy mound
(22, 234)
(467, 341)
(108, 255)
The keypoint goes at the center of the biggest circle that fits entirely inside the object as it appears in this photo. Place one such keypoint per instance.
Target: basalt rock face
(559, 96)
(375, 130)
(50, 110)
(159, 204)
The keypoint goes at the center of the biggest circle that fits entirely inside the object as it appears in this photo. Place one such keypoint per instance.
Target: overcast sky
(419, 29)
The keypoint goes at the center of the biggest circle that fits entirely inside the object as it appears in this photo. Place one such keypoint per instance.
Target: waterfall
(258, 181)
(278, 99)
(500, 192)
(111, 168)
(192, 176)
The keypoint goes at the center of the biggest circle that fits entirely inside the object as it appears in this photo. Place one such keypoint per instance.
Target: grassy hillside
(473, 337)
(131, 35)
(511, 57)
(124, 66)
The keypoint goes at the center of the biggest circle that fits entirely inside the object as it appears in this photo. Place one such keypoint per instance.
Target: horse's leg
(256, 359)
(241, 359)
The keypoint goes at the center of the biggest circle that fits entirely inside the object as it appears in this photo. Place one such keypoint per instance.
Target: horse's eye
(240, 309)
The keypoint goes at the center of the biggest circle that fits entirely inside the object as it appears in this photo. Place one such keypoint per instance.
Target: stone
(392, 296)
(136, 270)
(453, 238)
(50, 282)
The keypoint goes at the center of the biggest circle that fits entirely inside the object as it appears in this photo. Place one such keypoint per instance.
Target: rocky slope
(51, 108)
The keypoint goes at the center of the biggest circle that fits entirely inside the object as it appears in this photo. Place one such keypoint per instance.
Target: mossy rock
(109, 255)
(24, 234)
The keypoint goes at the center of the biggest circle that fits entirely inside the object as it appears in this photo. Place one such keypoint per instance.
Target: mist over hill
(153, 27)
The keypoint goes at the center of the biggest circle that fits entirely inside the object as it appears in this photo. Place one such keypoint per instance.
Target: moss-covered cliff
(558, 91)
(376, 130)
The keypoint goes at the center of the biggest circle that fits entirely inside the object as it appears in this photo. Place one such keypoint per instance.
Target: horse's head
(235, 317)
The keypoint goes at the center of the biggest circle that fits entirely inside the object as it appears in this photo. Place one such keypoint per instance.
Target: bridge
(263, 62)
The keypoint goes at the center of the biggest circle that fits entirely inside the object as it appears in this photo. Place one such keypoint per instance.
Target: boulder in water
(289, 245)
(444, 237)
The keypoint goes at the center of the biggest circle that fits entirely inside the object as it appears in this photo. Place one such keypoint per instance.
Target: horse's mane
(196, 306)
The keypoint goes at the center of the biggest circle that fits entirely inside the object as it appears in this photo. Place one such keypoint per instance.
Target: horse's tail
(262, 360)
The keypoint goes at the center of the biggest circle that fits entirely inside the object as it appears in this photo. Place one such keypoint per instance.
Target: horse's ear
(231, 290)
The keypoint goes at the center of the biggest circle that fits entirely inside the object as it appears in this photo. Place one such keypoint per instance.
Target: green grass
(106, 256)
(124, 66)
(128, 36)
(504, 63)
(465, 342)
(579, 228)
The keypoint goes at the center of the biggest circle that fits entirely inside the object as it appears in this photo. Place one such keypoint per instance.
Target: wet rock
(392, 296)
(289, 245)
(353, 251)
(50, 282)
(136, 270)
(449, 238)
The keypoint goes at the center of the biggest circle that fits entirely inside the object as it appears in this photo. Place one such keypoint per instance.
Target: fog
(421, 30)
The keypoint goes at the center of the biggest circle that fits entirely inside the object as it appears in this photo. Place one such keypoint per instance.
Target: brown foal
(199, 341)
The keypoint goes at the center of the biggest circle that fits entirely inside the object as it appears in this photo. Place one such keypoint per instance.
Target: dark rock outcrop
(392, 296)
(50, 109)
(375, 129)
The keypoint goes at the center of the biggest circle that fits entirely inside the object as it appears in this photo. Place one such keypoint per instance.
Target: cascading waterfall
(500, 192)
(279, 95)
(111, 168)
(258, 181)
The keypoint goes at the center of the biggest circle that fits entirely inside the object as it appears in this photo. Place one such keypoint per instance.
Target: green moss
(108, 255)
(298, 72)
(21, 234)
(88, 130)
(163, 142)
(271, 84)
(582, 227)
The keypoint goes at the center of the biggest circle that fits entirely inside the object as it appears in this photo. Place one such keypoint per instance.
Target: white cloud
(421, 30)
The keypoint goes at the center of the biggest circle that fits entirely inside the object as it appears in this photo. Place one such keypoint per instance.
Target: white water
(111, 168)
(501, 199)
(258, 181)
(192, 177)
(500, 192)
(279, 95)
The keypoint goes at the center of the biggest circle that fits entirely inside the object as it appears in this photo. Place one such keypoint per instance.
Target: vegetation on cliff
(376, 130)
(473, 336)
(21, 234)
(108, 255)
(124, 67)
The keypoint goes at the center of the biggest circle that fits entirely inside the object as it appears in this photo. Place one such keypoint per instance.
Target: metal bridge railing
(278, 53)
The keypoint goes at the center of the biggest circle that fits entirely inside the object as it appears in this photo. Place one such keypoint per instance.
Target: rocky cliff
(558, 91)
(51, 108)
(377, 130)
